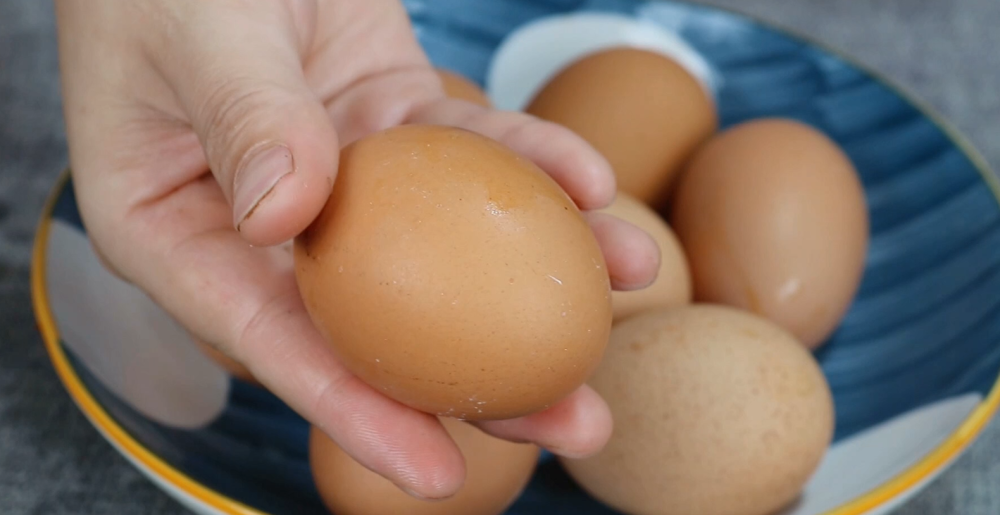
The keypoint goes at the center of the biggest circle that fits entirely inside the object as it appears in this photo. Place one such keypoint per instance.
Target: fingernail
(259, 172)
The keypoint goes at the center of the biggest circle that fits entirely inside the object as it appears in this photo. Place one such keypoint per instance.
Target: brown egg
(230, 365)
(457, 86)
(673, 282)
(773, 218)
(496, 473)
(717, 412)
(455, 276)
(643, 111)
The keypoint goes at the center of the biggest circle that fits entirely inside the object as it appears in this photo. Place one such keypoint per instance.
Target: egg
(643, 111)
(773, 218)
(517, 71)
(717, 412)
(457, 86)
(672, 286)
(455, 276)
(497, 471)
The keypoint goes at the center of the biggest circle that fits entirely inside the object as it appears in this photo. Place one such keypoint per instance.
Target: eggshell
(457, 86)
(455, 276)
(717, 412)
(773, 218)
(673, 281)
(644, 112)
(496, 473)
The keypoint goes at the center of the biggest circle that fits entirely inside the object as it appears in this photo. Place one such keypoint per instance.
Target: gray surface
(53, 462)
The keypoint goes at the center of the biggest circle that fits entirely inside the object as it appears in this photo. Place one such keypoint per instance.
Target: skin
(165, 104)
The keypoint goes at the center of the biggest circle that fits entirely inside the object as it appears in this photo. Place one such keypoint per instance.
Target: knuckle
(370, 114)
(382, 101)
(105, 262)
(104, 227)
(253, 328)
(330, 395)
(267, 326)
(228, 113)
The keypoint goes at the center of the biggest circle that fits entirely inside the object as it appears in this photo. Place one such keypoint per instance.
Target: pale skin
(170, 106)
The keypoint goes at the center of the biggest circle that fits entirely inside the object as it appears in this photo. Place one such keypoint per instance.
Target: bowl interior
(915, 356)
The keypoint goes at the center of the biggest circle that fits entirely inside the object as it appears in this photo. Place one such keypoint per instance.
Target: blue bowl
(913, 366)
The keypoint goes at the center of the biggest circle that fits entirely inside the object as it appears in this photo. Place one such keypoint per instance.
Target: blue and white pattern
(924, 328)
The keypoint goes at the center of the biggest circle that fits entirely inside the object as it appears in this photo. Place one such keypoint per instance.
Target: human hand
(204, 134)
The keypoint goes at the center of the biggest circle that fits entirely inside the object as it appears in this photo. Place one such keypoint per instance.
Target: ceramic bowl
(913, 366)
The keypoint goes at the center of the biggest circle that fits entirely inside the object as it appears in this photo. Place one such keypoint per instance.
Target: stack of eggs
(457, 278)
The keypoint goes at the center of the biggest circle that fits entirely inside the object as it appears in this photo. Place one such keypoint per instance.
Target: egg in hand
(455, 276)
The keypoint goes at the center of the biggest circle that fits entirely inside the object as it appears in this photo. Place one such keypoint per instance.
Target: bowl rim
(109, 428)
(925, 469)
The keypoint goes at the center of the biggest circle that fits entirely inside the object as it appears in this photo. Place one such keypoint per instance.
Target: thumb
(236, 69)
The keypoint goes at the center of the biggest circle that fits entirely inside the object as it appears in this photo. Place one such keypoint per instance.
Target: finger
(408, 447)
(578, 426)
(572, 162)
(632, 256)
(197, 269)
(236, 70)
